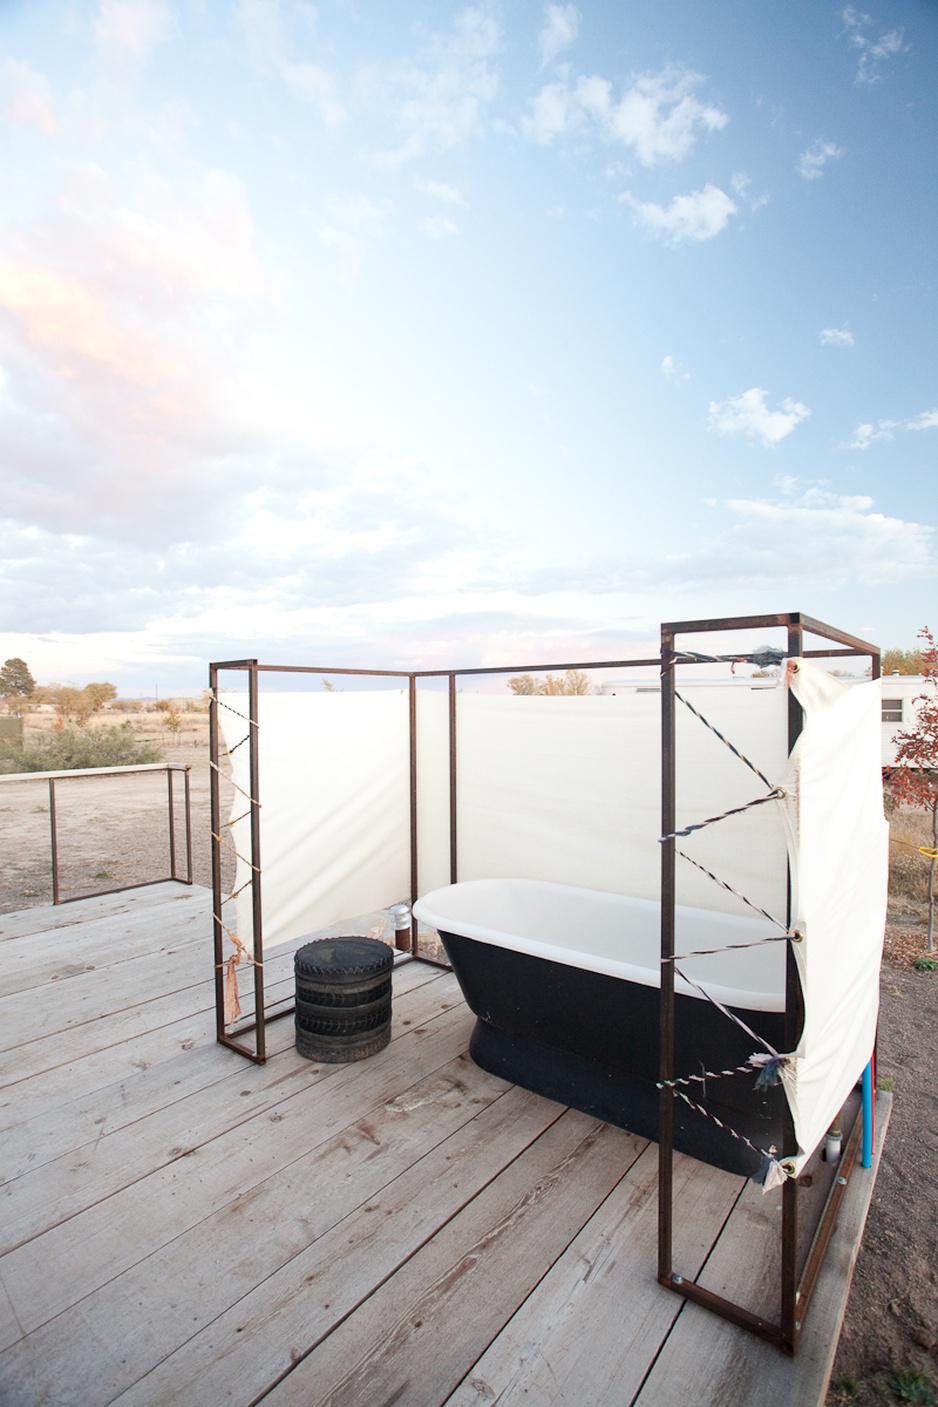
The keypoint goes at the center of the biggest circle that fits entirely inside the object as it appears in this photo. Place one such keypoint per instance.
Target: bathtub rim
(743, 998)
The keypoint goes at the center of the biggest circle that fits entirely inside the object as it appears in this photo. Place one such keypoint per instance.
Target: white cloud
(346, 226)
(25, 98)
(131, 29)
(868, 433)
(439, 227)
(658, 117)
(928, 420)
(837, 337)
(741, 183)
(811, 162)
(689, 218)
(670, 372)
(561, 27)
(873, 53)
(749, 415)
(438, 190)
(272, 54)
(441, 104)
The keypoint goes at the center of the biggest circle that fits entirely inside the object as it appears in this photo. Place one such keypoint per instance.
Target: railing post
(55, 842)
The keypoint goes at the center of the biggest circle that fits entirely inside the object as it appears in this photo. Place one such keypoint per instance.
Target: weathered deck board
(186, 1227)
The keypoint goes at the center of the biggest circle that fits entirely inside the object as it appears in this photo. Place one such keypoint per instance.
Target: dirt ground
(116, 832)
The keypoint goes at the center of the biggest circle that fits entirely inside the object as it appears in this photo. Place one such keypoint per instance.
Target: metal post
(453, 862)
(55, 843)
(172, 823)
(257, 912)
(414, 873)
(188, 794)
(666, 1058)
(790, 1319)
(215, 796)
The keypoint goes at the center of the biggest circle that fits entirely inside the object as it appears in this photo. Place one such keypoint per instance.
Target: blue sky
(434, 334)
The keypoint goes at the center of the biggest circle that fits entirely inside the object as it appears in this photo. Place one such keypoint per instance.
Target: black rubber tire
(343, 960)
(313, 1011)
(353, 1024)
(336, 998)
(336, 1050)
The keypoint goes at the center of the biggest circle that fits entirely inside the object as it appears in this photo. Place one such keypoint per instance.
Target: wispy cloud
(131, 29)
(867, 434)
(812, 161)
(560, 30)
(659, 117)
(346, 225)
(25, 96)
(837, 337)
(439, 227)
(749, 415)
(688, 219)
(928, 420)
(273, 54)
(439, 190)
(670, 371)
(440, 103)
(873, 53)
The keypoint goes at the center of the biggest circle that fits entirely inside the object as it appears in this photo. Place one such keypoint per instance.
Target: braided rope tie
(726, 1011)
(776, 794)
(233, 850)
(768, 1066)
(246, 794)
(223, 704)
(230, 967)
(736, 894)
(770, 1171)
(734, 750)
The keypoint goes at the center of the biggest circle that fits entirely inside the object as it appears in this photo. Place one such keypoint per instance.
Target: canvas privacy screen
(568, 789)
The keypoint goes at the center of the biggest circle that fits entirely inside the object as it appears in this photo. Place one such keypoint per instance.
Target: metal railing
(169, 768)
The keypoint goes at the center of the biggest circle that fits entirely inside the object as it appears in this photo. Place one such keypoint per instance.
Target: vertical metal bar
(666, 1061)
(414, 868)
(453, 854)
(215, 795)
(55, 842)
(260, 1014)
(188, 794)
(790, 1321)
(172, 824)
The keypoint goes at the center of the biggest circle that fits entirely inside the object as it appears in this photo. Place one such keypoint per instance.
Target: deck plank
(98, 1161)
(588, 1331)
(263, 1335)
(416, 1334)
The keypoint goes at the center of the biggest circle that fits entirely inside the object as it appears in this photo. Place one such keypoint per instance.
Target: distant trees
(76, 705)
(574, 681)
(16, 680)
(903, 661)
(913, 781)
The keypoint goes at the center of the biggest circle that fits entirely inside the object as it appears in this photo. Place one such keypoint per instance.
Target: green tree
(913, 781)
(77, 705)
(16, 680)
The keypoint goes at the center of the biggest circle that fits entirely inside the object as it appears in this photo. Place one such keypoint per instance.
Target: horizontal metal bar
(93, 772)
(815, 627)
(123, 888)
(735, 1313)
(652, 663)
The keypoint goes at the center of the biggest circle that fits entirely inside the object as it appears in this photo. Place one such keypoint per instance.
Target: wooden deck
(180, 1226)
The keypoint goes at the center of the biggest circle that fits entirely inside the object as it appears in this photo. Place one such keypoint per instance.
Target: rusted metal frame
(536, 668)
(188, 801)
(735, 1313)
(170, 768)
(215, 823)
(172, 823)
(55, 842)
(787, 619)
(788, 1289)
(453, 829)
(414, 877)
(258, 1054)
(666, 994)
(827, 1223)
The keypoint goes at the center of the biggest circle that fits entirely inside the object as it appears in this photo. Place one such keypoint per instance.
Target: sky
(433, 335)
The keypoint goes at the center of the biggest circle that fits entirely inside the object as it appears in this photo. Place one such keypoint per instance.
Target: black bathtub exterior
(592, 1041)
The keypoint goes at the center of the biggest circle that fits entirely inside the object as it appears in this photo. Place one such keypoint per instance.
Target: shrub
(68, 748)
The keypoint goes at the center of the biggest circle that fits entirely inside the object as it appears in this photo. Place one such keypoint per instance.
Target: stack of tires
(343, 998)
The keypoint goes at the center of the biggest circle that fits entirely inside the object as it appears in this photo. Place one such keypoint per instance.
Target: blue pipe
(867, 1092)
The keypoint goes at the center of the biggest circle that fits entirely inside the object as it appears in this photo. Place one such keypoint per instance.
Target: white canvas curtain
(839, 843)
